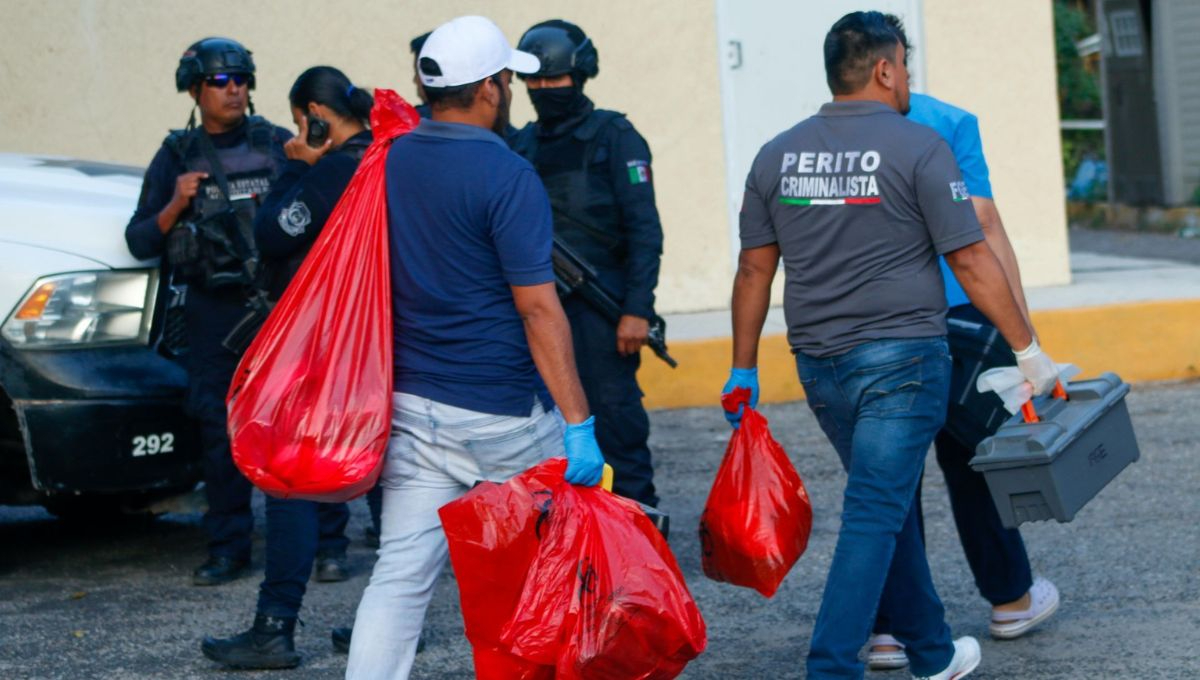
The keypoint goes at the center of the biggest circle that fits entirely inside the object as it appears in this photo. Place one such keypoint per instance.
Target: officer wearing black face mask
(196, 211)
(596, 169)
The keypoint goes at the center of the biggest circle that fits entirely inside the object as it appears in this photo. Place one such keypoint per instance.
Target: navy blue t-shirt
(467, 219)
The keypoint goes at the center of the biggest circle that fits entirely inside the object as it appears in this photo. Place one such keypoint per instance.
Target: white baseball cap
(468, 49)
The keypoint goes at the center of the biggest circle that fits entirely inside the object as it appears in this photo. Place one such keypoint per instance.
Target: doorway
(773, 73)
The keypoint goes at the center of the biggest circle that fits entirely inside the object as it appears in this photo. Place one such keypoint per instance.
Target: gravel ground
(115, 602)
(1136, 244)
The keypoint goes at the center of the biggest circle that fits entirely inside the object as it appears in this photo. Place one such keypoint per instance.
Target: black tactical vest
(575, 171)
(222, 213)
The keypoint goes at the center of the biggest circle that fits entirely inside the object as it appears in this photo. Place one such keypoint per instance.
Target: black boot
(218, 570)
(341, 640)
(331, 568)
(268, 644)
(371, 537)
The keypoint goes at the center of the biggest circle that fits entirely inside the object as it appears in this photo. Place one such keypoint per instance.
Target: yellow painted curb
(1140, 341)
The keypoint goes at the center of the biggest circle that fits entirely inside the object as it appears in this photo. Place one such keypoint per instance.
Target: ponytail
(330, 87)
(360, 103)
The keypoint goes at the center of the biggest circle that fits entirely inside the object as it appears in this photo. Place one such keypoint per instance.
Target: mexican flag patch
(639, 172)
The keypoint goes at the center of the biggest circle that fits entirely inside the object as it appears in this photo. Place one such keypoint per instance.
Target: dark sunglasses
(222, 79)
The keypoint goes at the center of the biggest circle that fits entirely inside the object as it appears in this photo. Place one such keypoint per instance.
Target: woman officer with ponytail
(332, 116)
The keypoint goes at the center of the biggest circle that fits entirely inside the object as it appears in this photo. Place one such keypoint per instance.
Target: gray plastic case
(1050, 469)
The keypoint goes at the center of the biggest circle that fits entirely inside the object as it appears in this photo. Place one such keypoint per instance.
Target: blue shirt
(467, 219)
(960, 129)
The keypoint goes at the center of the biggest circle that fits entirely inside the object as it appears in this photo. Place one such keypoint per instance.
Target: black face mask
(554, 104)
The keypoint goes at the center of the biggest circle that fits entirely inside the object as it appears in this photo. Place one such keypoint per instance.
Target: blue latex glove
(585, 464)
(741, 377)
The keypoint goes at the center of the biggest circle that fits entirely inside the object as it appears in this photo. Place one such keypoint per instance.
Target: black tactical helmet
(561, 47)
(211, 56)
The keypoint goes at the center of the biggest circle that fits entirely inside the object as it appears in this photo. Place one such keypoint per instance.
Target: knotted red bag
(566, 582)
(310, 404)
(757, 519)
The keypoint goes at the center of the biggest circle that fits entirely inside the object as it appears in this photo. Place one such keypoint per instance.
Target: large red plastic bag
(493, 533)
(569, 580)
(604, 597)
(758, 517)
(495, 664)
(310, 404)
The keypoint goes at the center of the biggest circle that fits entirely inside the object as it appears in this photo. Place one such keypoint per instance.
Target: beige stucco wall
(94, 78)
(996, 59)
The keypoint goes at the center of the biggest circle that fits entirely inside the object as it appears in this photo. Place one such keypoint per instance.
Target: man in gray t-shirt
(859, 202)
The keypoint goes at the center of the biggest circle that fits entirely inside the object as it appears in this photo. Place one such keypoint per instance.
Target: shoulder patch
(295, 219)
(639, 171)
(958, 192)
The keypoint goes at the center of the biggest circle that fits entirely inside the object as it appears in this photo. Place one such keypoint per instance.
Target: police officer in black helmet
(596, 169)
(196, 211)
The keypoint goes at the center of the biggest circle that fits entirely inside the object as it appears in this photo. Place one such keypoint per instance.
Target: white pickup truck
(91, 415)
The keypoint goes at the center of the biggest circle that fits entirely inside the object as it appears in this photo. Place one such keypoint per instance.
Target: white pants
(436, 453)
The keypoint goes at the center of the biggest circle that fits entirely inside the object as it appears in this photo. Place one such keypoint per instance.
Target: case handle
(1027, 410)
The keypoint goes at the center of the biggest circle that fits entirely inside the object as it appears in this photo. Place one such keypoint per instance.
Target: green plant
(1078, 90)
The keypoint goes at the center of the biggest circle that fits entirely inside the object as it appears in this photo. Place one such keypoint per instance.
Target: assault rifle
(574, 275)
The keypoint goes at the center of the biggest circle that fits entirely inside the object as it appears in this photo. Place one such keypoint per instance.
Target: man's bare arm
(549, 336)
(983, 279)
(997, 239)
(751, 299)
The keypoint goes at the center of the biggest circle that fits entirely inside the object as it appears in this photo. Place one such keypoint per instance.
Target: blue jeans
(880, 405)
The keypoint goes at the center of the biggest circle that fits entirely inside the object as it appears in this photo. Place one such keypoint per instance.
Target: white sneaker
(966, 659)
(1044, 602)
(879, 660)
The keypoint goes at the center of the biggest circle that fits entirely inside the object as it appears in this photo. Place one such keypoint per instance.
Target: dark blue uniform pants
(210, 370)
(610, 383)
(375, 506)
(297, 532)
(995, 554)
(229, 520)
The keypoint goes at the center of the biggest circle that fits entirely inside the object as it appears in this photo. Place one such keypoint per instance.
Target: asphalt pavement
(115, 602)
(1140, 244)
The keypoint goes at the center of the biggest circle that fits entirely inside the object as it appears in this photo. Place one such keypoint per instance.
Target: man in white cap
(483, 351)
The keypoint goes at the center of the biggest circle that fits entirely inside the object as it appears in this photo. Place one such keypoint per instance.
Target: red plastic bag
(559, 581)
(310, 404)
(493, 533)
(758, 517)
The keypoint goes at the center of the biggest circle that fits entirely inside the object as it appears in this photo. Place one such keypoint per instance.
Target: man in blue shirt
(995, 554)
(481, 341)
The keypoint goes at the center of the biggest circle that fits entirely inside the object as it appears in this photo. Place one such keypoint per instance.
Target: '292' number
(153, 444)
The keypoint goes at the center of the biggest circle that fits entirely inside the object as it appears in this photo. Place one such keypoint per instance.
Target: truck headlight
(83, 309)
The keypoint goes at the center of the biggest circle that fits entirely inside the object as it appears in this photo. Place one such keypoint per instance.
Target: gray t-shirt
(861, 202)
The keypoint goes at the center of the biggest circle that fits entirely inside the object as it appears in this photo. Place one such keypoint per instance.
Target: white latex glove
(1012, 387)
(1037, 367)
